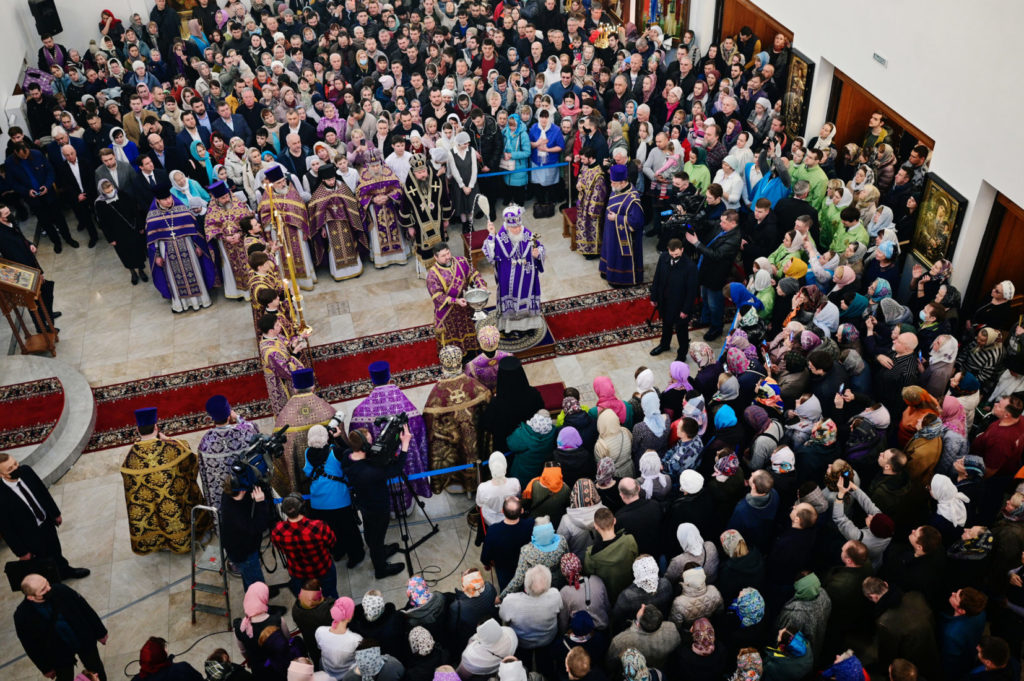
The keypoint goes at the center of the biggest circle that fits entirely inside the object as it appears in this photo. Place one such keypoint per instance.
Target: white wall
(951, 72)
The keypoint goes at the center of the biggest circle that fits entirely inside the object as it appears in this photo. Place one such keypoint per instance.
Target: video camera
(385, 448)
(253, 466)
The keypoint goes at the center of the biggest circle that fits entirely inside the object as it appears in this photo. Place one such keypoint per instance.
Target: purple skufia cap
(380, 372)
(619, 173)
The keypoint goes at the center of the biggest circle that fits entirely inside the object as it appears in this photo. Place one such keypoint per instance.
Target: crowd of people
(835, 494)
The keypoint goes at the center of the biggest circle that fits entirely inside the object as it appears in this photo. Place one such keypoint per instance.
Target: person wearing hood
(311, 611)
(808, 611)
(647, 589)
(575, 460)
(545, 548)
(615, 442)
(378, 620)
(547, 494)
(754, 516)
(530, 445)
(515, 401)
(426, 608)
(491, 644)
(577, 525)
(471, 605)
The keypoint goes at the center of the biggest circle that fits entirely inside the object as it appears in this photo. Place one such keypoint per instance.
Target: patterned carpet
(30, 412)
(577, 324)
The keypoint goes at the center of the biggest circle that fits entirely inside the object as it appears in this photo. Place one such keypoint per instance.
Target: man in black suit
(55, 625)
(76, 184)
(294, 124)
(164, 156)
(673, 292)
(190, 132)
(14, 246)
(150, 177)
(29, 517)
(787, 210)
(639, 517)
(231, 125)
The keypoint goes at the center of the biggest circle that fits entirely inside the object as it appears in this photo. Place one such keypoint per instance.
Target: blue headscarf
(653, 417)
(210, 172)
(725, 417)
(882, 290)
(544, 537)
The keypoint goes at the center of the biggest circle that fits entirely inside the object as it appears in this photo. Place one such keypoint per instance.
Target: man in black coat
(760, 234)
(29, 517)
(787, 210)
(55, 624)
(485, 138)
(14, 246)
(76, 184)
(714, 266)
(639, 517)
(673, 292)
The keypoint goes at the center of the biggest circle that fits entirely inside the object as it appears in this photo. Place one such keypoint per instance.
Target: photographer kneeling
(246, 513)
(369, 485)
(329, 496)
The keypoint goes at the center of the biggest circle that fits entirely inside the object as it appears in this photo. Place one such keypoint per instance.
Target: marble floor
(112, 331)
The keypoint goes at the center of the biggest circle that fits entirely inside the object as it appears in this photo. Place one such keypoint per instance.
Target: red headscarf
(153, 657)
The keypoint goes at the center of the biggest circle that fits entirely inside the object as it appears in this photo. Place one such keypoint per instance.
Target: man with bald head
(55, 626)
(639, 517)
(164, 157)
(74, 175)
(898, 368)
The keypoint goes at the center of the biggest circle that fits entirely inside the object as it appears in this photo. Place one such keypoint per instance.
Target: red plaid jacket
(306, 545)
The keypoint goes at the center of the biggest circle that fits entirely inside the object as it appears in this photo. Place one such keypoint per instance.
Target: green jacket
(844, 237)
(528, 451)
(613, 563)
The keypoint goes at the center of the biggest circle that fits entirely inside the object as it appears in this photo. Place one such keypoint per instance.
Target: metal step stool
(209, 558)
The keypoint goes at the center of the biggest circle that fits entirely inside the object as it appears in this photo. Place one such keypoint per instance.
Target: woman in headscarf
(582, 593)
(708, 368)
(694, 549)
(997, 313)
(425, 608)
(791, 247)
(983, 357)
(885, 167)
(803, 417)
(882, 259)
(925, 284)
(200, 164)
(530, 445)
(189, 192)
(516, 157)
(746, 621)
(743, 566)
(762, 286)
(953, 416)
(606, 400)
(156, 665)
(124, 149)
(257, 618)
(117, 215)
(652, 433)
(634, 667)
(646, 589)
(577, 525)
(462, 168)
(545, 548)
(727, 395)
(837, 197)
(950, 515)
(644, 378)
(919, 404)
(491, 494)
(674, 395)
(655, 484)
(575, 460)
(573, 414)
(379, 620)
(197, 39)
(863, 177)
(515, 400)
(606, 482)
(941, 366)
(696, 168)
(472, 604)
(880, 221)
(426, 655)
(924, 448)
(614, 442)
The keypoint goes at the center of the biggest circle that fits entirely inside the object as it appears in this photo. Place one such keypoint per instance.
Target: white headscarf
(650, 471)
(689, 539)
(951, 504)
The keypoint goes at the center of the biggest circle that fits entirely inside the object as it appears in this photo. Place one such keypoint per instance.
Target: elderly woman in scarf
(882, 258)
(924, 448)
(727, 395)
(646, 589)
(950, 515)
(708, 368)
(652, 433)
(762, 286)
(802, 419)
(577, 525)
(655, 484)
(547, 494)
(545, 548)
(614, 442)
(471, 604)
(189, 193)
(984, 358)
(530, 445)
(792, 246)
(746, 622)
(582, 593)
(941, 366)
(694, 549)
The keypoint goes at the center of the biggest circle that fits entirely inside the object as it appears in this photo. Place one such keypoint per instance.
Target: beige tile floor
(113, 332)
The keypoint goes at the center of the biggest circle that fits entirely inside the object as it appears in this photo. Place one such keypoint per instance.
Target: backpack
(37, 77)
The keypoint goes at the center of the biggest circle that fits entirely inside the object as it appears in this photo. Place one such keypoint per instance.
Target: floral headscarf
(882, 290)
(702, 354)
(584, 493)
(749, 607)
(703, 637)
(571, 568)
(769, 393)
(634, 666)
(848, 333)
(570, 405)
(473, 583)
(726, 467)
(749, 666)
(540, 422)
(824, 432)
(605, 471)
(418, 591)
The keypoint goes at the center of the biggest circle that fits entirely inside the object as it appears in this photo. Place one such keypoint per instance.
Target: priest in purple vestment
(221, 446)
(518, 259)
(388, 399)
(183, 270)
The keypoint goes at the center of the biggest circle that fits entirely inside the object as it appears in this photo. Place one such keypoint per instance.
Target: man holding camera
(369, 484)
(303, 410)
(245, 514)
(330, 498)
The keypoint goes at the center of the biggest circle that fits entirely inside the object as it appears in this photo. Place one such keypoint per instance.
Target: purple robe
(453, 323)
(622, 257)
(388, 400)
(485, 369)
(176, 229)
(218, 449)
(517, 273)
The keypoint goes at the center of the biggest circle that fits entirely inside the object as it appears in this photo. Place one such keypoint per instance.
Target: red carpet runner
(30, 412)
(578, 324)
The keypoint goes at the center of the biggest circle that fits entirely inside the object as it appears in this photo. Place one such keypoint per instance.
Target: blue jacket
(756, 524)
(517, 144)
(958, 642)
(241, 129)
(32, 173)
(326, 494)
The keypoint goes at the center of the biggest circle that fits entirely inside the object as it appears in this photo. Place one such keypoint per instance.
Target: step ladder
(206, 559)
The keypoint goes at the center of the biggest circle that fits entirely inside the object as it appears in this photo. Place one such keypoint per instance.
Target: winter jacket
(632, 597)
(612, 561)
(528, 451)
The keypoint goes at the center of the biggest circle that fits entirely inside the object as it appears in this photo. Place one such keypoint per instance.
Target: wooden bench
(569, 226)
(552, 395)
(474, 245)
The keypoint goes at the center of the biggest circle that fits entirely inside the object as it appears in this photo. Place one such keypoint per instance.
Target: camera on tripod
(253, 466)
(385, 448)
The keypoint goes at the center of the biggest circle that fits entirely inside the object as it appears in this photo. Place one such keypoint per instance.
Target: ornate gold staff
(294, 293)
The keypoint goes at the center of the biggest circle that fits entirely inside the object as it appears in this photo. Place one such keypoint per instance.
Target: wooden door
(735, 14)
(851, 106)
(999, 255)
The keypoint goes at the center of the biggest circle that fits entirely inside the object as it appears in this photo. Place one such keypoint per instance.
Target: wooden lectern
(20, 287)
